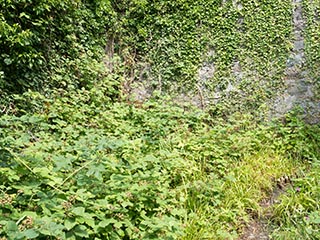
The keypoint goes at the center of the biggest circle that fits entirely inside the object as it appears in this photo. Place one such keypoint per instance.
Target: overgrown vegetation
(161, 45)
(312, 34)
(48, 44)
(88, 169)
(80, 159)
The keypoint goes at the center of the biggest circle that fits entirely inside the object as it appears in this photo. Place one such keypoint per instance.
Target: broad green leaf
(42, 171)
(81, 231)
(12, 226)
(79, 211)
(30, 234)
(70, 223)
(118, 225)
(7, 61)
(106, 222)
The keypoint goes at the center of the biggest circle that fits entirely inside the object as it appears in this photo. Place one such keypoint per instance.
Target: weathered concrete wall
(299, 89)
(295, 90)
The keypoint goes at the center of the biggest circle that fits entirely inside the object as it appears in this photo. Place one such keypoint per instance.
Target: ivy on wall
(160, 43)
(78, 162)
(257, 43)
(312, 43)
(171, 39)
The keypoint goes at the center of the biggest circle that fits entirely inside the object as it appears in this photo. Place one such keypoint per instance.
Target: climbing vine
(162, 45)
(312, 33)
(171, 41)
(80, 160)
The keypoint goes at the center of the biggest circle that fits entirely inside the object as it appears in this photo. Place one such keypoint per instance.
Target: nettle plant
(77, 161)
(63, 180)
(82, 169)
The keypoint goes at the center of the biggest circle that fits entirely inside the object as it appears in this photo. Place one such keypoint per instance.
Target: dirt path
(255, 230)
(258, 228)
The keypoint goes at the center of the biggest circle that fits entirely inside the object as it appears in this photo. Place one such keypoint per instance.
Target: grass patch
(248, 181)
(297, 216)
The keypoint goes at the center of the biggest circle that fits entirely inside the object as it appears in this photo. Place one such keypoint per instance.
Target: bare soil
(258, 228)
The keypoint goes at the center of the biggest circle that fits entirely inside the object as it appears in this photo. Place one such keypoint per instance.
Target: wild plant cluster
(80, 160)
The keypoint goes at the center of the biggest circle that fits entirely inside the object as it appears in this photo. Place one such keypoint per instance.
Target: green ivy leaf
(118, 225)
(7, 61)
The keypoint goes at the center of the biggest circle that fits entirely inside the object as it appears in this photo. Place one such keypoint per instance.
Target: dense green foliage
(79, 159)
(82, 168)
(160, 44)
(312, 34)
(164, 43)
(47, 44)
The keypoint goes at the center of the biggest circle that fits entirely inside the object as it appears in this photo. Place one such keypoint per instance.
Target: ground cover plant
(83, 169)
(81, 158)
